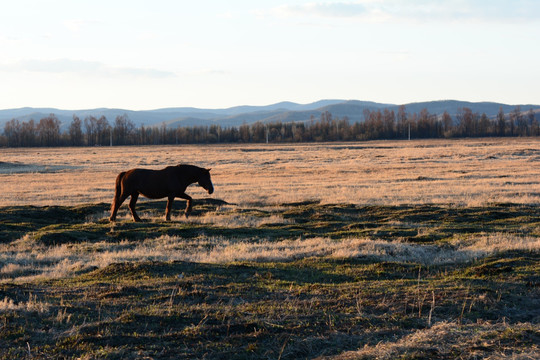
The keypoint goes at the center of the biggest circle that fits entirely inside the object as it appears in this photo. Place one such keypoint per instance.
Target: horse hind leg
(132, 204)
(117, 202)
(119, 196)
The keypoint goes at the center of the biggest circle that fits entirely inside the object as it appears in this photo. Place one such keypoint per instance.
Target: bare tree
(533, 123)
(389, 120)
(28, 133)
(483, 125)
(501, 122)
(75, 131)
(446, 124)
(244, 132)
(402, 122)
(520, 121)
(12, 131)
(49, 131)
(90, 127)
(465, 122)
(123, 130)
(103, 130)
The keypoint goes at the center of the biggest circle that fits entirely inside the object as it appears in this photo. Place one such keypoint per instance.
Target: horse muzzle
(210, 191)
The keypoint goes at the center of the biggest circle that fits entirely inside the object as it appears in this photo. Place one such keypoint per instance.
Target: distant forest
(377, 125)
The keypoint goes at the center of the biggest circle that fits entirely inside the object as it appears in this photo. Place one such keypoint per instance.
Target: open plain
(369, 250)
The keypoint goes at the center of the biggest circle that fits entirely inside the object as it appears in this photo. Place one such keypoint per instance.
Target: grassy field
(378, 250)
(459, 172)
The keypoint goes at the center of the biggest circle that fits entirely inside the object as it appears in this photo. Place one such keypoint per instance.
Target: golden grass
(32, 305)
(465, 172)
(24, 260)
(446, 339)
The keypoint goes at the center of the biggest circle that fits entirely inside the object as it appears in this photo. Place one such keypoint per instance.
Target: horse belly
(155, 191)
(152, 195)
(149, 183)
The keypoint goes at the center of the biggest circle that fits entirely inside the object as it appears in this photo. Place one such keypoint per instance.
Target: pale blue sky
(147, 54)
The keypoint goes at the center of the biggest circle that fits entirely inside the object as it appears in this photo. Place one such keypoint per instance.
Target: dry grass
(223, 218)
(464, 172)
(451, 340)
(32, 305)
(24, 260)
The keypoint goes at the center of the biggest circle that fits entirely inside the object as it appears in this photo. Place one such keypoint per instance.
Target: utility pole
(409, 131)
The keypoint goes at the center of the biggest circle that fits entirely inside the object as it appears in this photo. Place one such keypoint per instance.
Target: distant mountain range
(236, 116)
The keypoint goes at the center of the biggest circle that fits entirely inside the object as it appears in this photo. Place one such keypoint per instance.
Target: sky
(150, 54)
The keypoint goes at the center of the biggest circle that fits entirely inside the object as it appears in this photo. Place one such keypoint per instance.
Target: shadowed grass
(426, 224)
(247, 310)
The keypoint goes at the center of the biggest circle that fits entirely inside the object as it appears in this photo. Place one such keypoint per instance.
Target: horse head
(205, 181)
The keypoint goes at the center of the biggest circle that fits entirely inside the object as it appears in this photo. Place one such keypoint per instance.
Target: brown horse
(170, 182)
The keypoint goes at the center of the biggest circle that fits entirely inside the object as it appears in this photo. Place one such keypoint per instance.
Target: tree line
(379, 124)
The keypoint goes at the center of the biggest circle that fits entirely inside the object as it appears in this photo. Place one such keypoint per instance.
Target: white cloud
(209, 72)
(76, 25)
(82, 67)
(325, 9)
(225, 15)
(414, 10)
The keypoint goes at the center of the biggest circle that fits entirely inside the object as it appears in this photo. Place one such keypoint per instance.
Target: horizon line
(338, 101)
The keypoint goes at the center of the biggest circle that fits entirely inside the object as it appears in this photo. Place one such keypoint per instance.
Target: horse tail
(118, 190)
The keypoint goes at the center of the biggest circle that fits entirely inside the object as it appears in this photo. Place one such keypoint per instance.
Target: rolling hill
(236, 116)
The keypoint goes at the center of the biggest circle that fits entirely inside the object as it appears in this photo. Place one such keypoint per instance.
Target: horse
(169, 182)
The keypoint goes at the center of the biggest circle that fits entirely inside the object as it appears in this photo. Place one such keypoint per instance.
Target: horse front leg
(170, 201)
(189, 203)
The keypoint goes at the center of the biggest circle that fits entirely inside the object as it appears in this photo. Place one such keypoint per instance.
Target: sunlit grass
(25, 260)
(446, 339)
(464, 172)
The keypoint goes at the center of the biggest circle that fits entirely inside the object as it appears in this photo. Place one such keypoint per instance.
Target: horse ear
(209, 169)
